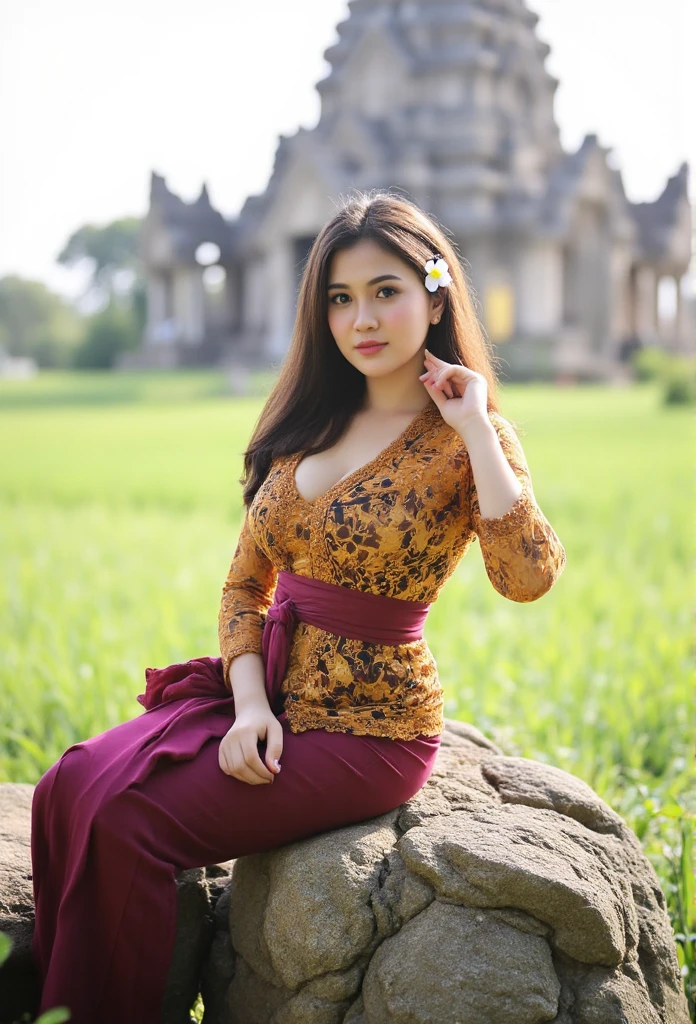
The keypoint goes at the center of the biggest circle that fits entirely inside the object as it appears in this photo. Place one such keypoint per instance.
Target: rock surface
(17, 976)
(504, 892)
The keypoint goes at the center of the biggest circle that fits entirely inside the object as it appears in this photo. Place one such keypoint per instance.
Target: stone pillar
(539, 289)
(646, 304)
(281, 288)
(678, 314)
(189, 304)
(254, 284)
(621, 298)
(633, 301)
(157, 311)
(684, 327)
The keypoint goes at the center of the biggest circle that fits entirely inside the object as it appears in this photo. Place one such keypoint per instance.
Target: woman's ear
(437, 306)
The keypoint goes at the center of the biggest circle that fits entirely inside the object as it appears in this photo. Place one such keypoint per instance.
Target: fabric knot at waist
(345, 611)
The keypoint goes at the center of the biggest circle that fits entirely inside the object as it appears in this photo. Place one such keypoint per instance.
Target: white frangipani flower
(437, 275)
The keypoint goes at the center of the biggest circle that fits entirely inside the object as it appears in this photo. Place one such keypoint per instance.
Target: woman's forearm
(497, 486)
(247, 676)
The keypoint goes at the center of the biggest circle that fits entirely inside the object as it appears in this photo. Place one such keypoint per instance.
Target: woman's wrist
(474, 429)
(247, 676)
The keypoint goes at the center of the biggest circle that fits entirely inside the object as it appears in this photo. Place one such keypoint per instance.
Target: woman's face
(375, 295)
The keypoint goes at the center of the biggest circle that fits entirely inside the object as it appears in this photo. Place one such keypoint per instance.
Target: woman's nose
(365, 318)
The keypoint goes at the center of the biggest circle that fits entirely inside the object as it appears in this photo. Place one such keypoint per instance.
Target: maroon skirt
(119, 815)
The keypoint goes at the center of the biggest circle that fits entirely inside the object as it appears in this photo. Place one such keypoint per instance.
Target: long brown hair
(318, 391)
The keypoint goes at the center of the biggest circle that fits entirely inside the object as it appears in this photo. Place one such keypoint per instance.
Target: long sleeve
(521, 551)
(247, 595)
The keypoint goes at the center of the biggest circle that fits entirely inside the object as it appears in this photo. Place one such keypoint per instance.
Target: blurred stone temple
(450, 103)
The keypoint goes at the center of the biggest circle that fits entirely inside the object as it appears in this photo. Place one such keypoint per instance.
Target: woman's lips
(367, 349)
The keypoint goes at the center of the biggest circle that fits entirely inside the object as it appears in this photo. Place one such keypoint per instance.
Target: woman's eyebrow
(375, 280)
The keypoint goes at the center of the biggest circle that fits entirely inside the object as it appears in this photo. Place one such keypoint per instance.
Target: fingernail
(277, 764)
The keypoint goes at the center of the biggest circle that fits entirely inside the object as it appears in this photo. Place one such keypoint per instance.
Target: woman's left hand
(460, 394)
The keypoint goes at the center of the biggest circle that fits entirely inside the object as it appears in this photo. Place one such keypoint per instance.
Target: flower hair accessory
(437, 274)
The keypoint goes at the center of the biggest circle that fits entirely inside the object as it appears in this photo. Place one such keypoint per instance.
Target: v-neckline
(346, 481)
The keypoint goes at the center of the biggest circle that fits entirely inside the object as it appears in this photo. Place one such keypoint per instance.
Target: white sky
(93, 96)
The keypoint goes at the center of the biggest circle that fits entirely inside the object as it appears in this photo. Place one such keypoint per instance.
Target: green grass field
(120, 506)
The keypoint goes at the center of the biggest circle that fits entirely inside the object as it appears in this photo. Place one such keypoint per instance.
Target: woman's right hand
(238, 754)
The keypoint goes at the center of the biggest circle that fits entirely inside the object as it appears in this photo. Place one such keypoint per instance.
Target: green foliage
(37, 323)
(108, 333)
(680, 381)
(649, 362)
(120, 521)
(111, 247)
(676, 373)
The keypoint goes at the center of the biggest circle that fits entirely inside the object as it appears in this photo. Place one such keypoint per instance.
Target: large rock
(504, 892)
(18, 986)
(197, 891)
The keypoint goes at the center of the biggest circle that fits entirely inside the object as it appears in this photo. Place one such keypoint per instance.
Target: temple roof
(657, 219)
(449, 100)
(189, 224)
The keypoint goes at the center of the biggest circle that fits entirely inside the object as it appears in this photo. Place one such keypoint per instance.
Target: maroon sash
(344, 611)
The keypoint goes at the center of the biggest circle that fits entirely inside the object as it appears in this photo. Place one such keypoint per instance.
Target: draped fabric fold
(199, 677)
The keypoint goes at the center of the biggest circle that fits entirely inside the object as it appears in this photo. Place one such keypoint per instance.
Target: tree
(107, 334)
(112, 248)
(36, 322)
(117, 279)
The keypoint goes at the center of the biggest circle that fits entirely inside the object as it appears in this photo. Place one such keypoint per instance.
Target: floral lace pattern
(397, 526)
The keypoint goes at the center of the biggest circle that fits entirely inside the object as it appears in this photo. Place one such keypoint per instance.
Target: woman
(379, 457)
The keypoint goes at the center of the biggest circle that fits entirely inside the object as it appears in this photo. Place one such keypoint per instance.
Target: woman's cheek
(340, 331)
(400, 319)
(335, 326)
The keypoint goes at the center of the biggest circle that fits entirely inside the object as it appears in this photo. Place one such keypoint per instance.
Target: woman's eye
(344, 295)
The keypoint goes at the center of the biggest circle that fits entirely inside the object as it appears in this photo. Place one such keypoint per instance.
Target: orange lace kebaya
(398, 526)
